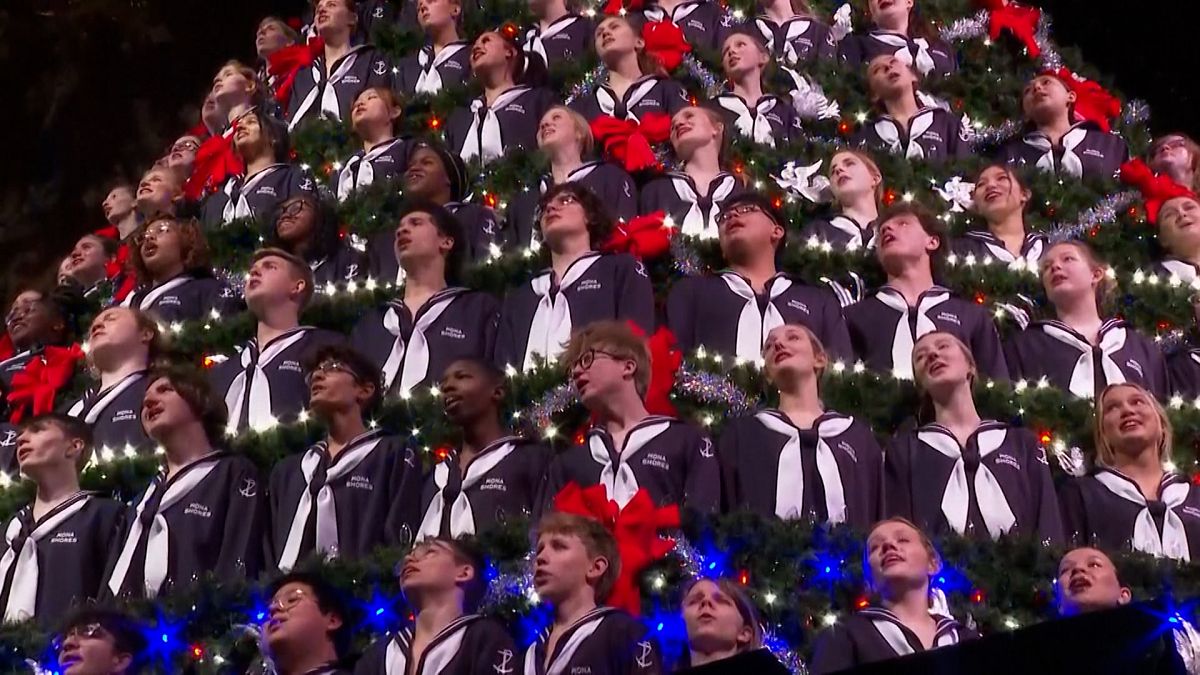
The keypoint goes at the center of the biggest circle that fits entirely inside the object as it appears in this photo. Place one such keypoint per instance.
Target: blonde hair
(597, 541)
(818, 347)
(925, 404)
(583, 130)
(647, 63)
(1106, 454)
(741, 602)
(926, 542)
(618, 339)
(864, 157)
(1106, 288)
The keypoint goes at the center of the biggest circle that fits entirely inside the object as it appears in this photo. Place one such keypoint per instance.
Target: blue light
(660, 626)
(712, 566)
(260, 617)
(379, 611)
(165, 638)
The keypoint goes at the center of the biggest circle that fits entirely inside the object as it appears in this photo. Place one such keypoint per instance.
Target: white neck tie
(92, 412)
(158, 541)
(236, 189)
(607, 102)
(752, 326)
(699, 222)
(429, 81)
(1185, 271)
(22, 562)
(752, 124)
(357, 173)
(462, 517)
(1172, 543)
(252, 381)
(152, 296)
(902, 343)
(911, 52)
(619, 478)
(993, 505)
(327, 528)
(1083, 378)
(888, 130)
(852, 230)
(1071, 164)
(891, 633)
(550, 329)
(411, 361)
(789, 482)
(583, 630)
(484, 138)
(439, 653)
(325, 89)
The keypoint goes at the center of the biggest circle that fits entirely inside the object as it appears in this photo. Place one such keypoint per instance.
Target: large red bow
(645, 237)
(117, 268)
(629, 142)
(33, 389)
(1020, 21)
(665, 360)
(1156, 189)
(635, 529)
(215, 162)
(665, 42)
(285, 63)
(1092, 102)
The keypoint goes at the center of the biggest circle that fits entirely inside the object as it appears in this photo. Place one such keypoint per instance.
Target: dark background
(91, 91)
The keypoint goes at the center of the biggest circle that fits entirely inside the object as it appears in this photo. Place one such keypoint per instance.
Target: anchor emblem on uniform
(380, 67)
(643, 659)
(706, 449)
(9, 437)
(306, 184)
(378, 13)
(505, 658)
(249, 487)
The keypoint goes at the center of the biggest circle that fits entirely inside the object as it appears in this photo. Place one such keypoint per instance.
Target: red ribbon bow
(216, 161)
(1020, 21)
(34, 388)
(117, 269)
(1092, 102)
(635, 529)
(665, 42)
(1156, 189)
(286, 62)
(665, 360)
(629, 142)
(644, 237)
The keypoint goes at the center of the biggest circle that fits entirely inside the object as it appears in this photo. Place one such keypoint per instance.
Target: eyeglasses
(737, 210)
(293, 208)
(185, 145)
(87, 630)
(288, 601)
(563, 199)
(587, 358)
(328, 367)
(159, 228)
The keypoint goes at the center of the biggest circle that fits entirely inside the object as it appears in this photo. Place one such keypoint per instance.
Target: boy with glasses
(732, 311)
(264, 383)
(628, 448)
(356, 490)
(100, 642)
(307, 630)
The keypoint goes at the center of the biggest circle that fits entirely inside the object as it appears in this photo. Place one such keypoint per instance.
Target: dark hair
(329, 601)
(447, 226)
(127, 635)
(647, 62)
(276, 132)
(599, 221)
(194, 388)
(389, 96)
(326, 235)
(196, 256)
(109, 244)
(364, 369)
(485, 366)
(73, 428)
(764, 204)
(467, 551)
(452, 165)
(287, 30)
(929, 223)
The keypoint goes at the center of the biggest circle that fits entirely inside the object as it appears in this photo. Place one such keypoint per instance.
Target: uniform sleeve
(372, 661)
(959, 147)
(826, 47)
(675, 96)
(850, 51)
(1157, 378)
(635, 295)
(112, 524)
(556, 478)
(625, 201)
(1179, 373)
(1074, 514)
(1017, 369)
(540, 457)
(405, 482)
(300, 182)
(276, 514)
(870, 462)
(703, 490)
(836, 335)
(491, 326)
(727, 458)
(648, 198)
(376, 78)
(241, 547)
(640, 654)
(494, 650)
(456, 129)
(985, 347)
(1007, 153)
(833, 652)
(1049, 516)
(681, 319)
(505, 351)
(897, 472)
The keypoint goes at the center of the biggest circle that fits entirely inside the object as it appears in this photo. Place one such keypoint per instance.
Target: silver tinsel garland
(713, 388)
(1105, 211)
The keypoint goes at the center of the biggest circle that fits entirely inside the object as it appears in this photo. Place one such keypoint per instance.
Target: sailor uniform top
(1057, 352)
(469, 645)
(478, 222)
(673, 460)
(50, 565)
(343, 265)
(829, 473)
(257, 196)
(483, 132)
(346, 506)
(16, 363)
(984, 245)
(1174, 267)
(264, 385)
(997, 484)
(798, 40)
(606, 180)
(370, 14)
(771, 121)
(1107, 509)
(883, 329)
(115, 415)
(566, 39)
(725, 314)
(184, 298)
(758, 661)
(704, 23)
(413, 351)
(1183, 370)
(382, 163)
(504, 482)
(428, 72)
(841, 232)
(317, 93)
(605, 641)
(649, 94)
(1085, 152)
(694, 213)
(876, 634)
(539, 317)
(930, 56)
(206, 519)
(933, 135)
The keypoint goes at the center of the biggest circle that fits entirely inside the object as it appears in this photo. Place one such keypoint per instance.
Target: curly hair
(195, 254)
(599, 221)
